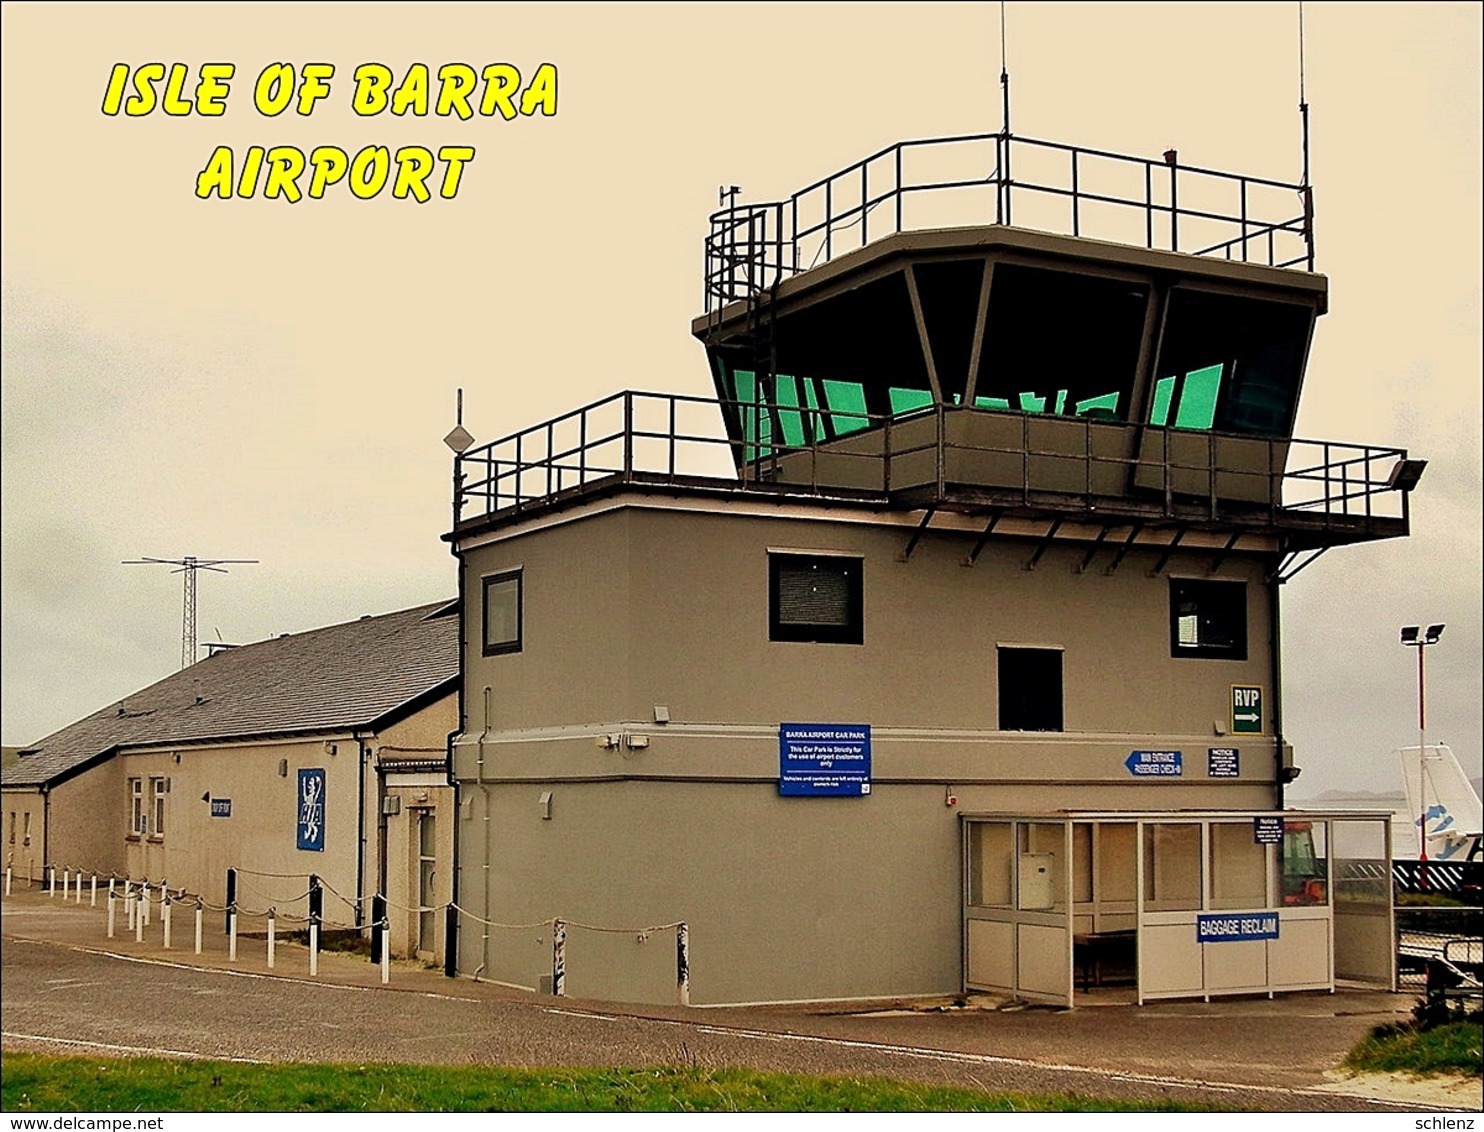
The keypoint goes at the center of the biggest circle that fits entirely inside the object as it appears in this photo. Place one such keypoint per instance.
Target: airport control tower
(987, 520)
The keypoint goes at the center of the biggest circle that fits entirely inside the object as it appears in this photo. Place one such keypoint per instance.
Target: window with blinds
(815, 598)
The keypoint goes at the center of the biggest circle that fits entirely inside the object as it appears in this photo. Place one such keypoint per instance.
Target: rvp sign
(1246, 709)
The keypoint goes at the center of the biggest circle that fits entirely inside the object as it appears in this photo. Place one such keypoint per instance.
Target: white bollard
(386, 952)
(198, 927)
(66, 880)
(232, 936)
(77, 899)
(144, 902)
(7, 880)
(93, 895)
(139, 928)
(110, 886)
(272, 939)
(131, 913)
(313, 949)
(51, 880)
(165, 919)
(110, 915)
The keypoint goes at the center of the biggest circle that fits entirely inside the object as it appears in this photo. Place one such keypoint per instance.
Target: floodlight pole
(1414, 636)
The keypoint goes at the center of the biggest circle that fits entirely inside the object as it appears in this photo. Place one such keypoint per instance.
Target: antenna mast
(1004, 77)
(188, 566)
(1303, 98)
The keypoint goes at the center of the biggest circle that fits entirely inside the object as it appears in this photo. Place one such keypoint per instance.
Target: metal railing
(990, 178)
(683, 440)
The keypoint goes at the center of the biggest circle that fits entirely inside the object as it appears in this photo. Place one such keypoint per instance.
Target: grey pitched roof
(331, 679)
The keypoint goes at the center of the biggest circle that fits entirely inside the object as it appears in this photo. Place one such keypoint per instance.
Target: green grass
(43, 1083)
(1407, 1048)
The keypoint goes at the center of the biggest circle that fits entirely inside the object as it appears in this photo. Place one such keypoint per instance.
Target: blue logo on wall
(824, 760)
(312, 810)
(221, 807)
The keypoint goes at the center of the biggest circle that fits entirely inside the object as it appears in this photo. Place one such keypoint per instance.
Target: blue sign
(824, 760)
(221, 807)
(1222, 928)
(1267, 831)
(312, 810)
(1153, 764)
(1223, 762)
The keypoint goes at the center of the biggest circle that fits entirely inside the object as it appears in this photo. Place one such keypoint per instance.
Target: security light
(1405, 474)
(1409, 634)
(1433, 633)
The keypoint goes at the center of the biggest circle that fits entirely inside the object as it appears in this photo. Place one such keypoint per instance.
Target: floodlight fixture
(1433, 633)
(1405, 474)
(1409, 634)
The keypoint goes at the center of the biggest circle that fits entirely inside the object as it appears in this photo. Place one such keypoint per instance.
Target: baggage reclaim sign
(824, 760)
(1231, 928)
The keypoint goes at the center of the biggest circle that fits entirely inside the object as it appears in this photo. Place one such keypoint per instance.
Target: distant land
(1381, 798)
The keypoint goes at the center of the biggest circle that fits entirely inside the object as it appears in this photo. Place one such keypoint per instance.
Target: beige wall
(261, 833)
(88, 814)
(24, 850)
(804, 897)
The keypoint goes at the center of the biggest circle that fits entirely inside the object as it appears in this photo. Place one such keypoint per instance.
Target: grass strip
(1451, 1048)
(46, 1083)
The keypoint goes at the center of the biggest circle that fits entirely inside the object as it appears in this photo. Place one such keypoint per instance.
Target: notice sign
(824, 760)
(221, 807)
(1154, 764)
(312, 810)
(1223, 762)
(1230, 929)
(1267, 831)
(1246, 710)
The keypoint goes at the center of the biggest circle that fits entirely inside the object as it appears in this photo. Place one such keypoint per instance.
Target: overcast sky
(252, 379)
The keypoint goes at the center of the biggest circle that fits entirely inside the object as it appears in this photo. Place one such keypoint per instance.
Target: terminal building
(940, 649)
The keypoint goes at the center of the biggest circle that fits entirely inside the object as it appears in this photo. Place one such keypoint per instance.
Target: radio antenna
(188, 566)
(1004, 77)
(1303, 96)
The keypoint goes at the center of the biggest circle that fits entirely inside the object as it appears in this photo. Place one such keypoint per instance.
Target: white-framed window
(158, 788)
(136, 807)
(26, 827)
(12, 827)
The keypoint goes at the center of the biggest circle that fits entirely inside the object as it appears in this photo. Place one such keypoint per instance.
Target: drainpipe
(360, 827)
(1277, 710)
(484, 735)
(46, 825)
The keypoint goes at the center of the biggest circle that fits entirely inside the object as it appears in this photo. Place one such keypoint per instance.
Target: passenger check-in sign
(824, 760)
(1154, 764)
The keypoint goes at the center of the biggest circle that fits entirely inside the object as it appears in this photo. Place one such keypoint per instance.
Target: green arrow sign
(1246, 709)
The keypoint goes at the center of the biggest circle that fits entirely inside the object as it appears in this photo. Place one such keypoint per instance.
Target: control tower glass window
(1060, 343)
(1231, 363)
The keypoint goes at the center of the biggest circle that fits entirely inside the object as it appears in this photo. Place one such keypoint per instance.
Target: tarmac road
(65, 990)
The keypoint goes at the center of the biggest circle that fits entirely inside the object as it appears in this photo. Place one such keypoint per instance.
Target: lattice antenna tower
(189, 566)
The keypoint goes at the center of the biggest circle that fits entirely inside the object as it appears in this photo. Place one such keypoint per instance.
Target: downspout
(1276, 639)
(46, 826)
(484, 735)
(361, 754)
(455, 889)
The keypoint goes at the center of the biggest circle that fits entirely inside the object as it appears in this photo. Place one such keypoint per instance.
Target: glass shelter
(1176, 904)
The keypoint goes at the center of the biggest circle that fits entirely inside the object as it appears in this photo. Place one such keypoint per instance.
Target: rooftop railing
(978, 179)
(954, 455)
